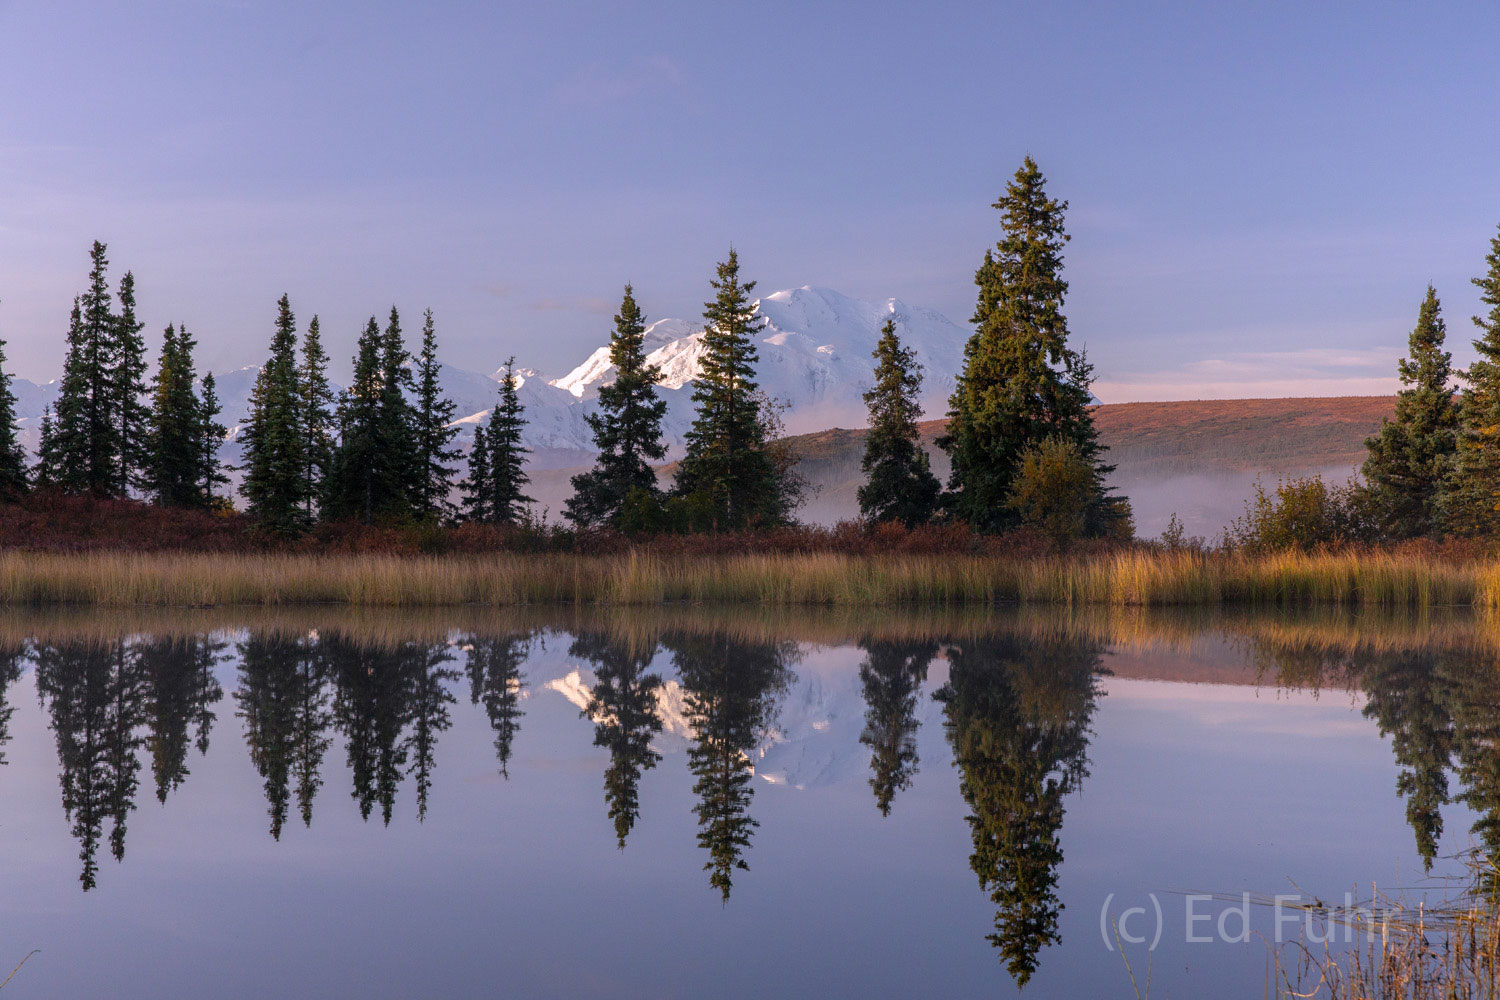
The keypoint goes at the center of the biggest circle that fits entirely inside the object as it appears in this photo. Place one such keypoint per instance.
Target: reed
(1123, 578)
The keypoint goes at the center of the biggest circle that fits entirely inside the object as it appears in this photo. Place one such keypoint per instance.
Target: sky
(1259, 192)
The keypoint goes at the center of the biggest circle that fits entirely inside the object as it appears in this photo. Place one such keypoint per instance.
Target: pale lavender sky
(1260, 191)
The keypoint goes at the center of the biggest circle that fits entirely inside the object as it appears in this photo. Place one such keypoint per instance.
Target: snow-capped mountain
(815, 360)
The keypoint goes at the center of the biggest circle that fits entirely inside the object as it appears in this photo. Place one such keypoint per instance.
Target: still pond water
(701, 804)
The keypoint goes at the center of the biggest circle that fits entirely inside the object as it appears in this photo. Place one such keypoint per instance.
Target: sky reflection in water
(695, 804)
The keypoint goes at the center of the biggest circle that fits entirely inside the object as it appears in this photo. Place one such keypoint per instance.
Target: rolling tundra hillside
(1196, 458)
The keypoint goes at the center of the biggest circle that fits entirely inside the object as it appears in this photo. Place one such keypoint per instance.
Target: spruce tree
(373, 476)
(13, 474)
(183, 468)
(127, 387)
(353, 485)
(100, 419)
(64, 452)
(627, 428)
(728, 472)
(210, 473)
(1471, 501)
(174, 454)
(506, 503)
(434, 433)
(85, 454)
(399, 479)
(1021, 382)
(476, 487)
(899, 485)
(44, 473)
(1410, 456)
(275, 485)
(315, 406)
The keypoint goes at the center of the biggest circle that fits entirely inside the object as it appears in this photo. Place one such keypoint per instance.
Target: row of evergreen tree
(110, 435)
(1434, 467)
(382, 451)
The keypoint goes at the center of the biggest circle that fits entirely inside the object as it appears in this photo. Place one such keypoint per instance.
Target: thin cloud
(1316, 371)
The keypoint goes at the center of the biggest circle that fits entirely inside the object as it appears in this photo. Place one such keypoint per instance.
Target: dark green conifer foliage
(275, 485)
(623, 707)
(506, 503)
(1021, 382)
(353, 486)
(128, 387)
(101, 421)
(1471, 499)
(476, 487)
(317, 410)
(400, 477)
(434, 435)
(1016, 713)
(1409, 695)
(63, 454)
(176, 449)
(891, 677)
(1410, 457)
(210, 474)
(14, 477)
(429, 685)
(729, 472)
(44, 473)
(86, 450)
(180, 692)
(496, 682)
(374, 475)
(283, 699)
(627, 428)
(730, 692)
(899, 485)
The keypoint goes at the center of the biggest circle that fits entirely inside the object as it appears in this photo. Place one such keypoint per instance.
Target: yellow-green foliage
(1126, 577)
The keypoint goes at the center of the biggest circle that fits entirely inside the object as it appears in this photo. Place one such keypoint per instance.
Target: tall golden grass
(1125, 578)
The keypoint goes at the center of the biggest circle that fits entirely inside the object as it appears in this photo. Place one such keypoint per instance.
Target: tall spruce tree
(14, 478)
(627, 428)
(128, 387)
(729, 473)
(316, 407)
(175, 452)
(476, 486)
(434, 433)
(1021, 382)
(373, 476)
(396, 430)
(1471, 500)
(84, 454)
(44, 473)
(1410, 456)
(353, 486)
(506, 503)
(210, 472)
(899, 484)
(275, 485)
(62, 456)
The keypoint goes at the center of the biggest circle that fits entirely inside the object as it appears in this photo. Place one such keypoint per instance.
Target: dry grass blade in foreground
(1131, 577)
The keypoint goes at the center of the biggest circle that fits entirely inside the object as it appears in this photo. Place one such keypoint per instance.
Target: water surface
(697, 803)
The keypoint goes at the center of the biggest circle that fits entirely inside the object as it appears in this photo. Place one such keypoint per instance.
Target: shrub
(1304, 513)
(1054, 489)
